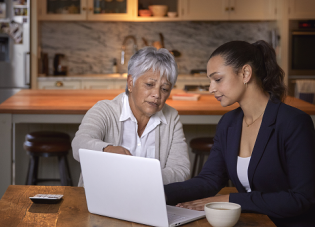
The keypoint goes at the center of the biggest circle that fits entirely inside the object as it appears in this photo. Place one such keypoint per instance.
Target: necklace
(254, 120)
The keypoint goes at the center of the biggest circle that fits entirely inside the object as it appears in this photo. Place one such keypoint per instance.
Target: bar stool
(200, 146)
(48, 144)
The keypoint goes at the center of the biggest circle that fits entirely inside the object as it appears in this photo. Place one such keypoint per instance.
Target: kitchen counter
(108, 81)
(79, 101)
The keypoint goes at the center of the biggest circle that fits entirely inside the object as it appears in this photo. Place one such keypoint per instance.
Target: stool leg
(69, 179)
(35, 174)
(194, 166)
(32, 171)
(62, 170)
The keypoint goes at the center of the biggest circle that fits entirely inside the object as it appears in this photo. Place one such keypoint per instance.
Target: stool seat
(200, 147)
(201, 144)
(48, 144)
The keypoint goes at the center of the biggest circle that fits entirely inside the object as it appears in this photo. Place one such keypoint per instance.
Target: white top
(144, 146)
(242, 172)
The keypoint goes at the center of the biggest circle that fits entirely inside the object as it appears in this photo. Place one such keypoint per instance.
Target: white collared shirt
(144, 146)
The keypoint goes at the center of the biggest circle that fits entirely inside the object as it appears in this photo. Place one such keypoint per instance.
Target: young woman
(265, 147)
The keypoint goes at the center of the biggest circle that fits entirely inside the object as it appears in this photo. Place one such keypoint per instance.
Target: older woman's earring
(129, 89)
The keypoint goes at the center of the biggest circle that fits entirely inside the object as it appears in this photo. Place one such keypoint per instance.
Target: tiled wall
(91, 46)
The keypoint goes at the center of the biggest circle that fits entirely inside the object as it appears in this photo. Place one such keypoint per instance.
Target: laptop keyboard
(173, 218)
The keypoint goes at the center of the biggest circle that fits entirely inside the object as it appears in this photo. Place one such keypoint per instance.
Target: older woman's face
(148, 94)
(225, 84)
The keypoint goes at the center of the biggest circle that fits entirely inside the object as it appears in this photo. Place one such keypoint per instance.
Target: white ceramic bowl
(171, 14)
(158, 10)
(222, 214)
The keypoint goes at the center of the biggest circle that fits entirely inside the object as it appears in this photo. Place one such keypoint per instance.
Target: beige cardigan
(101, 123)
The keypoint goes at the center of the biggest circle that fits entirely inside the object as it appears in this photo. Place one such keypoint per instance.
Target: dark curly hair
(262, 58)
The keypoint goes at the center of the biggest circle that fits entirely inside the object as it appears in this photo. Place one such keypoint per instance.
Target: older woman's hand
(117, 150)
(200, 203)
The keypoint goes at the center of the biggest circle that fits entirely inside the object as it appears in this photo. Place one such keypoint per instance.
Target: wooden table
(69, 107)
(16, 209)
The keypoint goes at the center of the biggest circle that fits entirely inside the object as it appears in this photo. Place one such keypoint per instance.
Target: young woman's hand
(200, 203)
(117, 150)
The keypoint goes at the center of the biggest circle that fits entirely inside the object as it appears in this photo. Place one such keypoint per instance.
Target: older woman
(138, 122)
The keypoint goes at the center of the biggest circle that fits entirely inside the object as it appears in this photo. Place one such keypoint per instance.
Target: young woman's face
(227, 86)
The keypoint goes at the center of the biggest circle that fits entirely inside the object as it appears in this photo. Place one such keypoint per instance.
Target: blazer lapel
(233, 146)
(265, 131)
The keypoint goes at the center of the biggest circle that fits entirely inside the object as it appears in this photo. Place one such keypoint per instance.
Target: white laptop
(129, 188)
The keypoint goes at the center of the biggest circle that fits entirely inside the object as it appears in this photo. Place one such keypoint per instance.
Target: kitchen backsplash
(91, 46)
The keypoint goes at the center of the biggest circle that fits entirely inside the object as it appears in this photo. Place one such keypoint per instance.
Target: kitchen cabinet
(59, 84)
(181, 82)
(205, 10)
(98, 84)
(301, 9)
(229, 9)
(107, 82)
(69, 10)
(173, 6)
(62, 10)
(120, 84)
(127, 10)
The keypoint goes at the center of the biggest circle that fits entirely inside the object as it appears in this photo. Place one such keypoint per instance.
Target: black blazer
(281, 171)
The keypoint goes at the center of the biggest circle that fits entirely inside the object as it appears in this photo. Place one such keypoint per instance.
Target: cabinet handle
(83, 8)
(59, 84)
(232, 8)
(91, 9)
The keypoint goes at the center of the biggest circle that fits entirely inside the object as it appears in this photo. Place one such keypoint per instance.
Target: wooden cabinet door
(59, 84)
(205, 10)
(120, 84)
(252, 9)
(301, 9)
(121, 10)
(59, 10)
(97, 84)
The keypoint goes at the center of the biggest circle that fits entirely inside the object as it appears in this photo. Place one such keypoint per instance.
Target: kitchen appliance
(60, 65)
(302, 46)
(15, 55)
(2, 9)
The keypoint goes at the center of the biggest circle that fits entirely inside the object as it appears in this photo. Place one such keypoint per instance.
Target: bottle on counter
(115, 70)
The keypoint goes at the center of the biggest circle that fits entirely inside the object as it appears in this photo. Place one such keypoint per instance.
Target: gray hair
(149, 58)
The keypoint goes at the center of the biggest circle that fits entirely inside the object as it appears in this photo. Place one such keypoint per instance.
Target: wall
(91, 46)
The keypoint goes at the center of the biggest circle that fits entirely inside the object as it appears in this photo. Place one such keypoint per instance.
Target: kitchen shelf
(156, 19)
(20, 6)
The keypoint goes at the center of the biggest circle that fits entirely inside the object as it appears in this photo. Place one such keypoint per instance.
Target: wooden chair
(200, 147)
(48, 144)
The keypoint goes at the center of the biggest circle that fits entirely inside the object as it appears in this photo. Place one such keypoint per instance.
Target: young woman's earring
(129, 89)
(245, 84)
